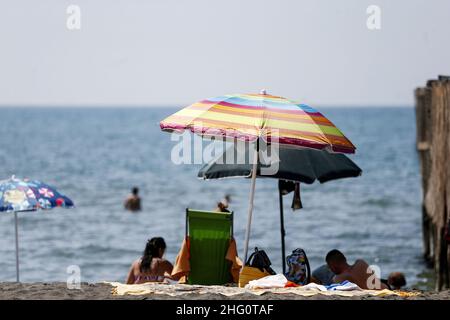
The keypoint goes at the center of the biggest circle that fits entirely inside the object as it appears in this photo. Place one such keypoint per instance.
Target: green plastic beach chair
(210, 234)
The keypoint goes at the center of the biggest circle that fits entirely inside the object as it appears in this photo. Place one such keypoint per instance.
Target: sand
(101, 291)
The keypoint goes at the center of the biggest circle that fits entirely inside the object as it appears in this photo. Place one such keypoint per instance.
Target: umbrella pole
(17, 245)
(250, 202)
(283, 232)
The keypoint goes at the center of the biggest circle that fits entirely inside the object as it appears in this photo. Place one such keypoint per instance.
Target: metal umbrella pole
(283, 231)
(250, 202)
(17, 245)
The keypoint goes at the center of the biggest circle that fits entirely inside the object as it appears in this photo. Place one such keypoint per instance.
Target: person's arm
(340, 278)
(315, 280)
(166, 268)
(131, 279)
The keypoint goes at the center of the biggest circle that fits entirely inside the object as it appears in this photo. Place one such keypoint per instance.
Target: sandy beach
(101, 291)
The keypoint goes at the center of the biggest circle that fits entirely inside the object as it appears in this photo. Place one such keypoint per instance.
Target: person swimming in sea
(151, 267)
(133, 202)
(222, 206)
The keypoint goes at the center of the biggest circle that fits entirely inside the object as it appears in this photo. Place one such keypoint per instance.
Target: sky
(173, 53)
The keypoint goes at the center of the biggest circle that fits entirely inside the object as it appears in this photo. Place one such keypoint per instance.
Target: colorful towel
(182, 267)
(343, 286)
(183, 289)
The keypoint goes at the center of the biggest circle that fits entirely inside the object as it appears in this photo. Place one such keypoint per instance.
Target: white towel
(314, 286)
(275, 281)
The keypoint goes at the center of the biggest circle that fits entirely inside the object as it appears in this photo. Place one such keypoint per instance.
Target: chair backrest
(209, 237)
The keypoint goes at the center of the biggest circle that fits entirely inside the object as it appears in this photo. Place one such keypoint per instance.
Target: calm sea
(96, 155)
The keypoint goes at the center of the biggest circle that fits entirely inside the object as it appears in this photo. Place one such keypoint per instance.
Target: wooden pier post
(433, 145)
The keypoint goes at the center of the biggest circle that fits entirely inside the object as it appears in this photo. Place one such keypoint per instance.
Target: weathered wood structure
(433, 145)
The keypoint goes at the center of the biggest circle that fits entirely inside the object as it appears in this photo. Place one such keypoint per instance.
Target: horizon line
(162, 106)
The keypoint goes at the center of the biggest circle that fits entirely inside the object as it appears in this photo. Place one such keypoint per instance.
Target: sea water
(95, 155)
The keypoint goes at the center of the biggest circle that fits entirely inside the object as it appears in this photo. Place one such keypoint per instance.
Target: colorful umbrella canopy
(18, 195)
(249, 116)
(30, 195)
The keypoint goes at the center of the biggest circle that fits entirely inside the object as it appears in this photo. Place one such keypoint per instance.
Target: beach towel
(343, 286)
(314, 286)
(309, 290)
(273, 281)
(236, 263)
(182, 266)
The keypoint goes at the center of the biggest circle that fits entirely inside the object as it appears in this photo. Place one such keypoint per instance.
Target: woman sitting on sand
(151, 267)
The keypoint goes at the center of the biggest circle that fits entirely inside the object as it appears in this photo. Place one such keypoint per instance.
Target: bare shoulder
(164, 263)
(340, 278)
(361, 263)
(136, 263)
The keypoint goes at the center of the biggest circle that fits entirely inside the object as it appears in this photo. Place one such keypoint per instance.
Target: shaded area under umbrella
(296, 165)
(252, 117)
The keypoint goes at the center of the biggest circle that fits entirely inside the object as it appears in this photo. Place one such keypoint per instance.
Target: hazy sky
(167, 52)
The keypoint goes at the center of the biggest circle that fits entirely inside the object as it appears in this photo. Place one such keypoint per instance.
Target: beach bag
(299, 271)
(256, 267)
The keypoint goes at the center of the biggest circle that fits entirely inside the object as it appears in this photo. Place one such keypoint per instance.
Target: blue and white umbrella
(18, 195)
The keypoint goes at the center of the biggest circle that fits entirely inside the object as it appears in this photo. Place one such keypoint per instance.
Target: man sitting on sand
(322, 275)
(133, 202)
(359, 273)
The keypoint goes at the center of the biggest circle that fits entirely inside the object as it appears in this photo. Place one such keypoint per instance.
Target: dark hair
(151, 250)
(335, 256)
(135, 190)
(397, 279)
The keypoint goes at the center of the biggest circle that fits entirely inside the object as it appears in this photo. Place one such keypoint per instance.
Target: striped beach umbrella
(251, 117)
(17, 195)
